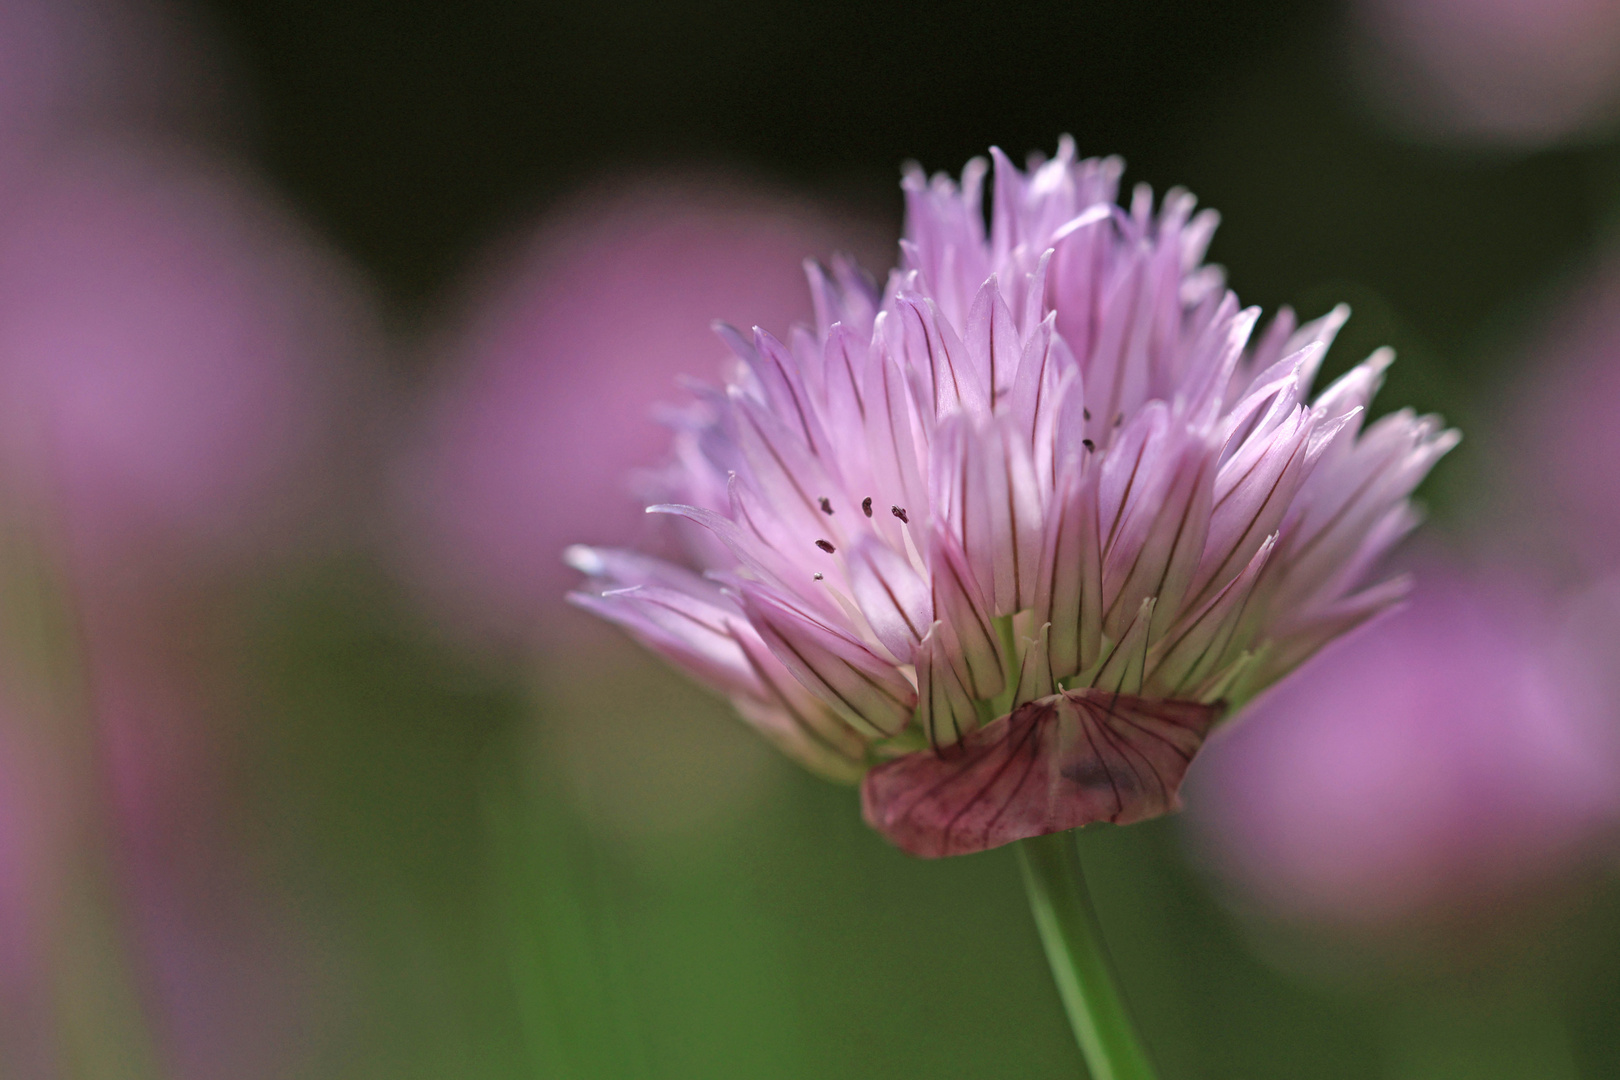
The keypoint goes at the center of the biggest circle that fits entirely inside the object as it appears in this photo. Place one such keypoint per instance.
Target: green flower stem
(1079, 959)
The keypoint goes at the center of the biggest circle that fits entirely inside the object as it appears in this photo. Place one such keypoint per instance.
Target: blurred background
(324, 327)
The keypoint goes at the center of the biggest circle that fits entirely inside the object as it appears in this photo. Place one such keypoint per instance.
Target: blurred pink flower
(1516, 72)
(551, 386)
(78, 65)
(1457, 751)
(175, 354)
(182, 369)
(30, 872)
(1563, 451)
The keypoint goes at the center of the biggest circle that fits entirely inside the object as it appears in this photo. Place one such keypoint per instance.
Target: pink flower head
(173, 352)
(1515, 72)
(1007, 535)
(1566, 445)
(1458, 752)
(71, 66)
(551, 400)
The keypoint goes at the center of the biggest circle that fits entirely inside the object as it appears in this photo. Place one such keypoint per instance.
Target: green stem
(1079, 959)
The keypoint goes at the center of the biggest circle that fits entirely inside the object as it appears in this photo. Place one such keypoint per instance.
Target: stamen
(1086, 413)
(818, 577)
(900, 512)
(826, 505)
(1088, 444)
(866, 505)
(826, 546)
(1119, 418)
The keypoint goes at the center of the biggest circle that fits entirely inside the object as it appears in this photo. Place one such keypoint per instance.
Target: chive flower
(1003, 539)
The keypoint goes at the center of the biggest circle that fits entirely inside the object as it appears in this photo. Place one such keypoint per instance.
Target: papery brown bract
(1071, 759)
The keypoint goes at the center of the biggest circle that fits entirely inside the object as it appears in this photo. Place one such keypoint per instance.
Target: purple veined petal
(909, 276)
(756, 555)
(945, 380)
(1287, 354)
(785, 390)
(945, 710)
(1320, 331)
(1350, 489)
(1007, 199)
(1195, 646)
(1052, 444)
(785, 731)
(1344, 561)
(1265, 352)
(848, 296)
(747, 374)
(892, 596)
(1070, 420)
(1350, 496)
(1042, 370)
(1058, 763)
(1129, 466)
(1164, 562)
(790, 711)
(618, 568)
(892, 449)
(844, 410)
(1034, 307)
(1148, 489)
(1274, 398)
(991, 339)
(845, 357)
(1020, 515)
(1126, 665)
(948, 479)
(1096, 214)
(806, 347)
(1070, 594)
(946, 238)
(1115, 370)
(1196, 237)
(746, 545)
(1216, 356)
(970, 636)
(1354, 390)
(791, 481)
(1252, 494)
(1299, 640)
(1035, 669)
(1080, 256)
(987, 494)
(1158, 349)
(862, 687)
(688, 632)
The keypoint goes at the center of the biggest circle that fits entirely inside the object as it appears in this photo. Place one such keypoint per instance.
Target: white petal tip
(585, 560)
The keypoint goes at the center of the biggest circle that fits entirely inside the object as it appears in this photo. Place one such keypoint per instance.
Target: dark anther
(1088, 444)
(900, 513)
(866, 505)
(826, 546)
(818, 577)
(1086, 413)
(1119, 418)
(826, 505)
